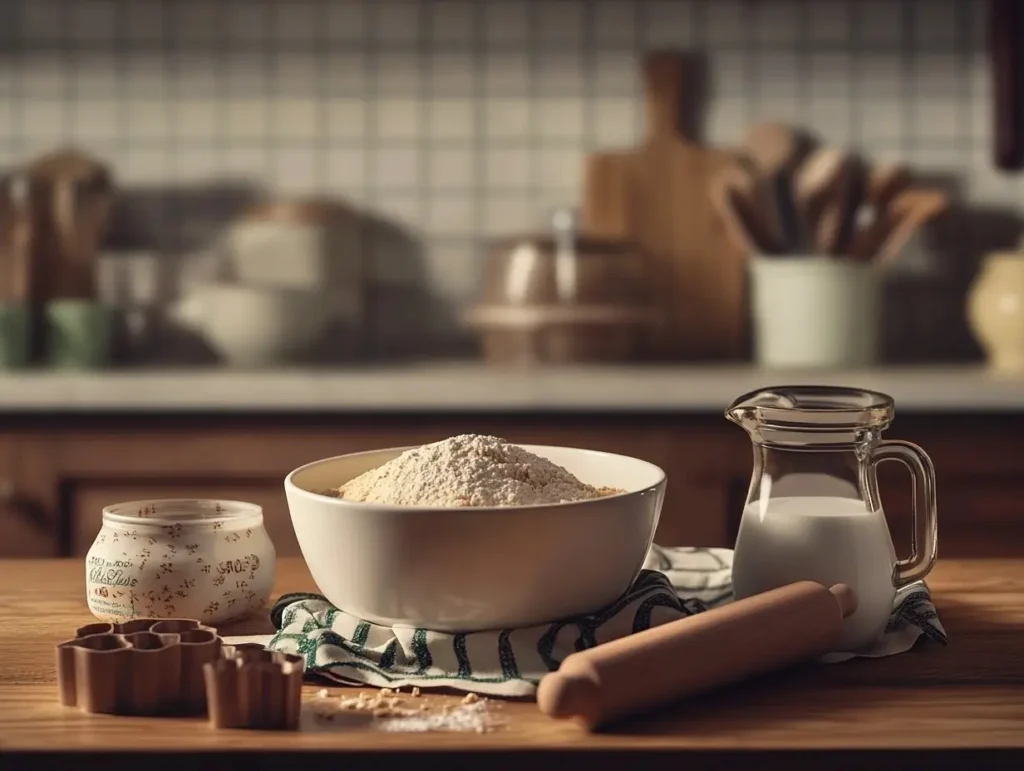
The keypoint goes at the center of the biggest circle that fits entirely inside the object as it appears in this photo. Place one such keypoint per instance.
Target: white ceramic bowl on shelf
(467, 569)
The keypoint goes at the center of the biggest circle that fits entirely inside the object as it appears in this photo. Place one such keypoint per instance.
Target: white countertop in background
(473, 387)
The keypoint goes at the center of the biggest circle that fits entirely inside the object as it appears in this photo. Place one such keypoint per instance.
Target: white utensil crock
(815, 312)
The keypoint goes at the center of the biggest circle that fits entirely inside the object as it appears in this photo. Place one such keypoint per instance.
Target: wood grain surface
(934, 702)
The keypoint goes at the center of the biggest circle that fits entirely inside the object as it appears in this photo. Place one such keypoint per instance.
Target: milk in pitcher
(825, 539)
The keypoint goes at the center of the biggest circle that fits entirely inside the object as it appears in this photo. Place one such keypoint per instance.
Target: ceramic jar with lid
(563, 297)
(189, 558)
(995, 310)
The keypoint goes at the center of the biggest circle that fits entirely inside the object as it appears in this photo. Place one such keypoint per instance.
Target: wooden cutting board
(657, 195)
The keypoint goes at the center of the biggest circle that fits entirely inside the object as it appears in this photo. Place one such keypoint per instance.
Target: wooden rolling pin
(769, 631)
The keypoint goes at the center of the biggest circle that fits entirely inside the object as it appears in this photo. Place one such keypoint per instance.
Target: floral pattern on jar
(180, 558)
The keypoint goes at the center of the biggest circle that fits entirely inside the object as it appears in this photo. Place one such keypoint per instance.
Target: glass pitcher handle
(924, 545)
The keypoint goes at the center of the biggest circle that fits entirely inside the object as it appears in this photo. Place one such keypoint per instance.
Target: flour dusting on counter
(394, 713)
(469, 470)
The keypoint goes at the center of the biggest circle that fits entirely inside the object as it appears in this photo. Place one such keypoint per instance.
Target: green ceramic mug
(79, 334)
(15, 323)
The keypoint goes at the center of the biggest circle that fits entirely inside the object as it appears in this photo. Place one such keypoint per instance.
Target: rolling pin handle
(846, 598)
(572, 691)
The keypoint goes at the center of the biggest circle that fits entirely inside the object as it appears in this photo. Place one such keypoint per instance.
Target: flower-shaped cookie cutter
(146, 666)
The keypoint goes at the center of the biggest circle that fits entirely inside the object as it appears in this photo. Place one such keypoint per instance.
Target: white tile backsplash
(10, 116)
(459, 120)
(452, 74)
(196, 21)
(562, 119)
(560, 168)
(877, 22)
(938, 119)
(244, 160)
(245, 22)
(613, 121)
(346, 169)
(40, 77)
(153, 120)
(94, 119)
(832, 22)
(561, 24)
(614, 23)
(452, 21)
(507, 71)
(561, 72)
(347, 118)
(451, 119)
(506, 21)
(778, 74)
(452, 168)
(247, 118)
(401, 73)
(194, 119)
(398, 21)
(509, 215)
(828, 75)
(668, 24)
(300, 21)
(726, 21)
(882, 120)
(504, 118)
(50, 118)
(296, 169)
(38, 20)
(345, 74)
(398, 119)
(508, 168)
(91, 21)
(615, 73)
(939, 25)
(832, 118)
(95, 75)
(779, 23)
(346, 21)
(395, 168)
(452, 215)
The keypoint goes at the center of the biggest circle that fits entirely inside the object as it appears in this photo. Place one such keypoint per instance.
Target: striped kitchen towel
(675, 583)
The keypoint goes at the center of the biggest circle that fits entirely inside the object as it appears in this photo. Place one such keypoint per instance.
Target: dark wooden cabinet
(56, 476)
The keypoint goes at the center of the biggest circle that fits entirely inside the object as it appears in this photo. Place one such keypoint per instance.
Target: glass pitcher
(813, 510)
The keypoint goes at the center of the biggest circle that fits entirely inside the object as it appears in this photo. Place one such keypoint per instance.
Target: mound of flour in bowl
(469, 470)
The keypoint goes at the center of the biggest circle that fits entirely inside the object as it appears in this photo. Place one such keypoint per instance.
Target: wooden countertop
(930, 706)
(471, 387)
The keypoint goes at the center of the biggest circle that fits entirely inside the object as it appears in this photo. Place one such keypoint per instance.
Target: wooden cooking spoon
(884, 184)
(734, 193)
(775, 150)
(911, 210)
(817, 182)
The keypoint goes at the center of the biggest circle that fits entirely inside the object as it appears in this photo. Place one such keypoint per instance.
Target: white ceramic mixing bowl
(467, 569)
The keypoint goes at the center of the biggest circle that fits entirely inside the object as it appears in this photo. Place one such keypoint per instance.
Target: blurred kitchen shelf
(467, 388)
